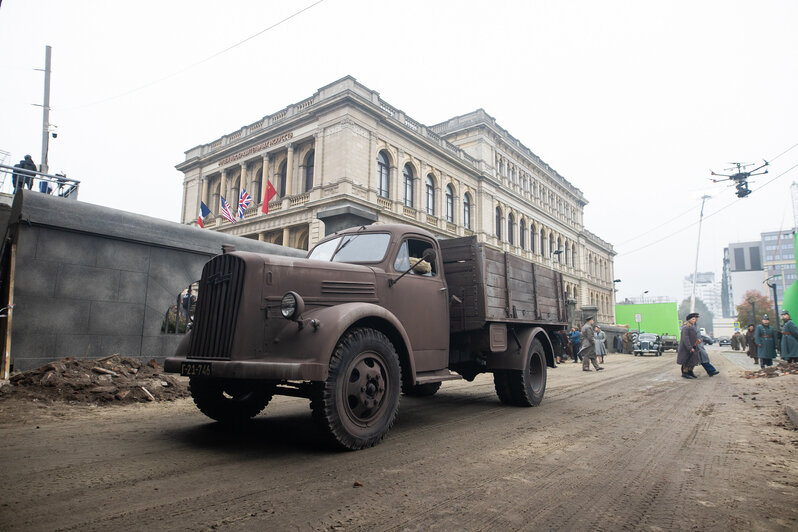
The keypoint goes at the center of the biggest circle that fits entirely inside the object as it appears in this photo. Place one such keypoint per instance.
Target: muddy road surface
(634, 447)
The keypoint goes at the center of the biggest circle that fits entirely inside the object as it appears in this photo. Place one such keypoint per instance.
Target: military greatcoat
(688, 352)
(789, 340)
(765, 338)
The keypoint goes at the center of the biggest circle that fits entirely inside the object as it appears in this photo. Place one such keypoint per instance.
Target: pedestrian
(601, 347)
(789, 338)
(576, 343)
(688, 355)
(625, 341)
(743, 341)
(556, 343)
(735, 342)
(751, 341)
(617, 343)
(587, 351)
(566, 345)
(765, 338)
(703, 356)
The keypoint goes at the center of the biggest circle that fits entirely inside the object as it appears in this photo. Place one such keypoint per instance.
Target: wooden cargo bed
(495, 286)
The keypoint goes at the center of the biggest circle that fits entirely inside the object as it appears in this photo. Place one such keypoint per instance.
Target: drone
(741, 177)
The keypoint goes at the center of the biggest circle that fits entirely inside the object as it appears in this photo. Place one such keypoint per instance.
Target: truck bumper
(255, 369)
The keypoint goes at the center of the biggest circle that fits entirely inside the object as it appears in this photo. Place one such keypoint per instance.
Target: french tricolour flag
(204, 212)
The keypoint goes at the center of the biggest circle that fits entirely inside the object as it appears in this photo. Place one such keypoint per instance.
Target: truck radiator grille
(643, 345)
(217, 308)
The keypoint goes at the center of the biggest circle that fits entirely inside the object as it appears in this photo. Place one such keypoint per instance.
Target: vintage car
(647, 343)
(669, 341)
(724, 340)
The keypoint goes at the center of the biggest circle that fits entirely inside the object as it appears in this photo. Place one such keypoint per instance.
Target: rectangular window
(756, 260)
(739, 259)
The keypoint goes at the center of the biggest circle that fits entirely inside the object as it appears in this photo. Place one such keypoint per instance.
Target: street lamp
(775, 297)
(558, 253)
(643, 296)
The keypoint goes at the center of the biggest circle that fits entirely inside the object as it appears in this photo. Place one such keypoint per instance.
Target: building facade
(779, 260)
(706, 289)
(742, 271)
(345, 157)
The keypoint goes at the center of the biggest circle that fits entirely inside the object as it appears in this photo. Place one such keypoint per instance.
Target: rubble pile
(781, 368)
(113, 379)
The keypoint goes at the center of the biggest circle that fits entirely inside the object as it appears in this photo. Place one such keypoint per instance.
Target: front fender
(515, 357)
(323, 327)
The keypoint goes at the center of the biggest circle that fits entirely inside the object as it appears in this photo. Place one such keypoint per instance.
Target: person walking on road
(601, 344)
(749, 339)
(688, 355)
(576, 343)
(765, 338)
(703, 356)
(588, 350)
(789, 338)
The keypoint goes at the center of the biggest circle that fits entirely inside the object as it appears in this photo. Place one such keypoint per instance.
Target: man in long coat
(688, 355)
(588, 349)
(789, 339)
(749, 339)
(765, 338)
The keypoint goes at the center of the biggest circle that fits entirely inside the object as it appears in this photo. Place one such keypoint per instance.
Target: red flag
(267, 197)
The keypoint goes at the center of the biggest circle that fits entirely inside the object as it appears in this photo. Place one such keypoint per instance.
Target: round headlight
(292, 306)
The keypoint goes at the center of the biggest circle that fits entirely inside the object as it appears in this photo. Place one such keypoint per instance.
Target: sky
(633, 102)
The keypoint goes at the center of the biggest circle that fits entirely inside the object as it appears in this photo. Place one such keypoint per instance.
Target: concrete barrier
(90, 281)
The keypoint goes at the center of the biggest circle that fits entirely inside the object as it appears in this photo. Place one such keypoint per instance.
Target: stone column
(261, 237)
(289, 171)
(205, 190)
(286, 236)
(223, 188)
(318, 147)
(243, 179)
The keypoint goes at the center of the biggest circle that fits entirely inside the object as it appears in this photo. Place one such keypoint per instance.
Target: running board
(436, 376)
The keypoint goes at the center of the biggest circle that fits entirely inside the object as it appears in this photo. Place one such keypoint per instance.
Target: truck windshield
(352, 248)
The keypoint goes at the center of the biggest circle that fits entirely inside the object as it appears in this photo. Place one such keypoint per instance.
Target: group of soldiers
(763, 341)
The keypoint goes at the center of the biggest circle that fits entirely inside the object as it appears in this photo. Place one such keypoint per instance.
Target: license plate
(195, 369)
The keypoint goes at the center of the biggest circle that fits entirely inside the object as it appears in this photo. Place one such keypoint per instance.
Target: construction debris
(110, 380)
(781, 368)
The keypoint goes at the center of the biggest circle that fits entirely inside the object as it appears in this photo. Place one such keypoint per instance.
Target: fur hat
(691, 316)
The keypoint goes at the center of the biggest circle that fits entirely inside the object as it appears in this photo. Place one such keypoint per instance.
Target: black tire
(358, 402)
(422, 390)
(229, 401)
(501, 382)
(528, 385)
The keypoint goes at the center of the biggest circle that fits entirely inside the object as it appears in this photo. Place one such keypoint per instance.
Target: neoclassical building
(344, 157)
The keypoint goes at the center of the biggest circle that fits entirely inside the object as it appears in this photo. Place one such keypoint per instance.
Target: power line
(193, 65)
(708, 215)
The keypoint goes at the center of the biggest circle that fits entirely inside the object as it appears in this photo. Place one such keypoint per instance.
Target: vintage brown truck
(371, 313)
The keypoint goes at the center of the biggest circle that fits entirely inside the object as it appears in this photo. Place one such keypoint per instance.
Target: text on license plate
(195, 369)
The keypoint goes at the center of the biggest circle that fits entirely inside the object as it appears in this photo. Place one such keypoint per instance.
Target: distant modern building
(706, 289)
(742, 271)
(779, 260)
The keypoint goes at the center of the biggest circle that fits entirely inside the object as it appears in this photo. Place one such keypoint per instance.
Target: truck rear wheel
(228, 401)
(358, 402)
(422, 390)
(523, 387)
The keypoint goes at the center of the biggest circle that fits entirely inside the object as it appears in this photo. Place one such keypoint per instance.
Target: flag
(267, 197)
(226, 211)
(243, 202)
(204, 212)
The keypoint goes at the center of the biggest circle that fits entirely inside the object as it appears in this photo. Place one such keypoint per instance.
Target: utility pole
(43, 167)
(704, 198)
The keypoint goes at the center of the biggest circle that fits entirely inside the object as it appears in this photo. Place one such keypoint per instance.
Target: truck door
(420, 300)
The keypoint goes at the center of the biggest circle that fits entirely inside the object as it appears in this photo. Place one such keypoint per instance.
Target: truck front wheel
(523, 387)
(358, 402)
(228, 401)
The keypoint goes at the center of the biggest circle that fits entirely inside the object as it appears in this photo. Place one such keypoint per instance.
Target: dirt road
(634, 447)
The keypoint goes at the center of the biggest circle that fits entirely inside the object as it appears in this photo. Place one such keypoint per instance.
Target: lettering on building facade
(254, 149)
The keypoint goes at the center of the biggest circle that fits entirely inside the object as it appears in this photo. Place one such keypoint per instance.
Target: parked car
(669, 341)
(647, 343)
(707, 340)
(724, 340)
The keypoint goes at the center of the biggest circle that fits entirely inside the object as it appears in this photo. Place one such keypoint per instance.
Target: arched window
(498, 224)
(449, 204)
(567, 253)
(430, 189)
(281, 175)
(532, 236)
(510, 228)
(309, 163)
(467, 210)
(407, 175)
(383, 181)
(522, 234)
(559, 248)
(551, 245)
(542, 243)
(573, 256)
(257, 194)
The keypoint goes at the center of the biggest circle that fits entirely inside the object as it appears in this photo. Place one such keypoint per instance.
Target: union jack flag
(243, 202)
(226, 211)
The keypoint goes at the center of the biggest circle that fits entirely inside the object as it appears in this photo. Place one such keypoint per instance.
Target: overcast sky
(632, 101)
